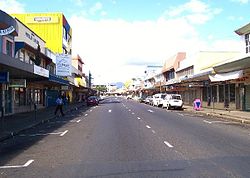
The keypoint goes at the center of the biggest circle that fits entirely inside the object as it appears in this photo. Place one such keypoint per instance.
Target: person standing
(59, 105)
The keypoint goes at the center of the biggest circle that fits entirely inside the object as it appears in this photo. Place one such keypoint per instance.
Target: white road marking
(133, 113)
(168, 144)
(207, 121)
(153, 131)
(78, 121)
(219, 122)
(180, 114)
(90, 110)
(86, 114)
(150, 111)
(62, 134)
(18, 166)
(110, 110)
(148, 126)
(138, 118)
(41, 134)
(129, 110)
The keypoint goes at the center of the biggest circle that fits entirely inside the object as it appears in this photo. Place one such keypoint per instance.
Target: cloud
(78, 2)
(241, 1)
(235, 18)
(97, 7)
(115, 48)
(12, 6)
(194, 11)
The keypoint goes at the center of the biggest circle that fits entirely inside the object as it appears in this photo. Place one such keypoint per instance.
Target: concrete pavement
(236, 116)
(13, 124)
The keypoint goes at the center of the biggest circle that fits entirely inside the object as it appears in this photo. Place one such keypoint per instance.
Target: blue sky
(129, 34)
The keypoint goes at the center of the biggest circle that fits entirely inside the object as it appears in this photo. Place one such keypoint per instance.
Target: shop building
(9, 30)
(52, 27)
(195, 73)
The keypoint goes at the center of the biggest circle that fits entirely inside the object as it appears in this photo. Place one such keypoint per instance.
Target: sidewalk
(236, 116)
(13, 124)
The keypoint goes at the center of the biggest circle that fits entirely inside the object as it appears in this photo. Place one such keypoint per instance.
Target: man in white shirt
(59, 105)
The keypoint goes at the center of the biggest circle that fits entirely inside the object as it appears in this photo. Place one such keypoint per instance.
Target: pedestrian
(59, 105)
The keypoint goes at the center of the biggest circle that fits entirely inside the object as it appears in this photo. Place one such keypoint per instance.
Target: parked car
(92, 101)
(142, 99)
(172, 101)
(129, 97)
(158, 99)
(149, 100)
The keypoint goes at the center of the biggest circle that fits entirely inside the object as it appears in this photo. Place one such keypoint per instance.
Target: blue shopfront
(54, 90)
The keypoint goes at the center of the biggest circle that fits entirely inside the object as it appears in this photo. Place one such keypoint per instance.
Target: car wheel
(168, 107)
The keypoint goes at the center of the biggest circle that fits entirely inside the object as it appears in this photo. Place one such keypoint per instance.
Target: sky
(117, 39)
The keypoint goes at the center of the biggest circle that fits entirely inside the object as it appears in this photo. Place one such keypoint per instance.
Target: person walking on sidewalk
(59, 105)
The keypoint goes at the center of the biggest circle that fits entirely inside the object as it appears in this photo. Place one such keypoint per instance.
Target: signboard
(18, 83)
(4, 77)
(63, 65)
(42, 19)
(7, 31)
(64, 87)
(41, 71)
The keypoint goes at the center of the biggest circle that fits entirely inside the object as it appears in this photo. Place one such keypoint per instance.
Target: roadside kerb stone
(238, 119)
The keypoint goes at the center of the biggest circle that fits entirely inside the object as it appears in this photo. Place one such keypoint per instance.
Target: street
(124, 138)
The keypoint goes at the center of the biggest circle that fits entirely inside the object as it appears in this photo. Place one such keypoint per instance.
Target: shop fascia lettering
(7, 31)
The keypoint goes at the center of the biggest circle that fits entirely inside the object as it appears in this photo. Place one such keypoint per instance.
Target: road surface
(124, 138)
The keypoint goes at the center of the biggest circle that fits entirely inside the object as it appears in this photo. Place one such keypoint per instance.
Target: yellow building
(52, 27)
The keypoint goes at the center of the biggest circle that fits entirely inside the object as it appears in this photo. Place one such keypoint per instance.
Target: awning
(56, 79)
(226, 76)
(235, 65)
(198, 77)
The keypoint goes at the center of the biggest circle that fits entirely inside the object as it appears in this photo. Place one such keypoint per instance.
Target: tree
(101, 88)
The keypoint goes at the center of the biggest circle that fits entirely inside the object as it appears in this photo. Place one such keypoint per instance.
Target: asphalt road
(123, 138)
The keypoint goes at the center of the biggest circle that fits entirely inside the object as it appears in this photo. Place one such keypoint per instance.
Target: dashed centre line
(148, 126)
(138, 118)
(150, 111)
(86, 115)
(168, 144)
(153, 131)
(133, 113)
(110, 110)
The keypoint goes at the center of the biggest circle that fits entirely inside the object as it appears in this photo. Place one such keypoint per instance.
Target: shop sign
(4, 77)
(64, 87)
(63, 65)
(41, 71)
(18, 83)
(42, 19)
(7, 31)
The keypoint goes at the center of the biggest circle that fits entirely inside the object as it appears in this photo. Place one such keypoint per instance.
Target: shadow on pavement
(10, 148)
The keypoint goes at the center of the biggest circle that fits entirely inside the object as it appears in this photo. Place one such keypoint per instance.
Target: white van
(172, 101)
(158, 99)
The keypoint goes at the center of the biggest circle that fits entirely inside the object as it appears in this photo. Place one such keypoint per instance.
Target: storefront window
(214, 93)
(232, 93)
(204, 93)
(20, 96)
(38, 96)
(9, 48)
(221, 93)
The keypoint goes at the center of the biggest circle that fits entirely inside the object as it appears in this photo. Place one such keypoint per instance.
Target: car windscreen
(176, 97)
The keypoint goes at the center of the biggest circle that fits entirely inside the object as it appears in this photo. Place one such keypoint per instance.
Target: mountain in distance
(118, 84)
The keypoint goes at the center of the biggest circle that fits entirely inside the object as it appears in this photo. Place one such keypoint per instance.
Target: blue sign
(4, 77)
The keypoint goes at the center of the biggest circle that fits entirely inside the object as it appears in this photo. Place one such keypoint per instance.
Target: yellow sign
(41, 19)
